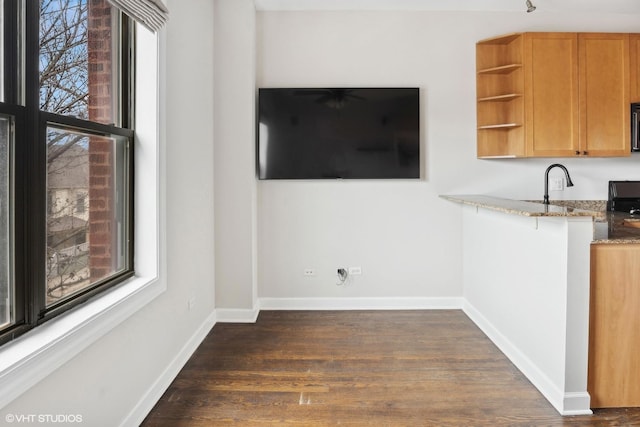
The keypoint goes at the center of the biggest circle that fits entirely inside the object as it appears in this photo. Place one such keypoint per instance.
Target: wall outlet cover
(355, 271)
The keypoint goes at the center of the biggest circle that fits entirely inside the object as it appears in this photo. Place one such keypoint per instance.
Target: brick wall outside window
(102, 232)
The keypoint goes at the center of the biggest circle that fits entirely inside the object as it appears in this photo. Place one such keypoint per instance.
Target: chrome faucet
(546, 180)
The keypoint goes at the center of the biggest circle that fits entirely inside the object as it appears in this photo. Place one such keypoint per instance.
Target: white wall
(235, 186)
(404, 237)
(106, 383)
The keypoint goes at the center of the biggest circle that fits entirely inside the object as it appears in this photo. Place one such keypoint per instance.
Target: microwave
(635, 126)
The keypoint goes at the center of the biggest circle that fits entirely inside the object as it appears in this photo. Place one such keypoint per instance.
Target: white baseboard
(575, 404)
(565, 403)
(154, 393)
(361, 303)
(237, 315)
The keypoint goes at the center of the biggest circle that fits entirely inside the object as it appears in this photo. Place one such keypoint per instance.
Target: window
(80, 201)
(66, 156)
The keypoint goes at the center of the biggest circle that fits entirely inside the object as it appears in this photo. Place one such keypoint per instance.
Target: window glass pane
(6, 265)
(86, 219)
(76, 59)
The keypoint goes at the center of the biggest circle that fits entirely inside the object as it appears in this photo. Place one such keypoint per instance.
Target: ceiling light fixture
(530, 6)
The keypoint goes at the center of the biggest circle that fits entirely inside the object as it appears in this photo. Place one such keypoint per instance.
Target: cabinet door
(614, 326)
(634, 66)
(551, 83)
(604, 94)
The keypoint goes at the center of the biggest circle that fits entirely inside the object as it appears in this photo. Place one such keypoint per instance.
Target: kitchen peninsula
(526, 284)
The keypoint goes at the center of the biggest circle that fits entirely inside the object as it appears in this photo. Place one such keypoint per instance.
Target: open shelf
(506, 156)
(500, 98)
(505, 39)
(500, 126)
(503, 69)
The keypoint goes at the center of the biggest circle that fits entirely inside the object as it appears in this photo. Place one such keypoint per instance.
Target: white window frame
(35, 355)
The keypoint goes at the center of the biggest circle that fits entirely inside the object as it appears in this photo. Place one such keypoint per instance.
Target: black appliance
(635, 126)
(624, 196)
(338, 133)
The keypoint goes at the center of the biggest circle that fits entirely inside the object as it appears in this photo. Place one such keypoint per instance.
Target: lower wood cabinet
(614, 326)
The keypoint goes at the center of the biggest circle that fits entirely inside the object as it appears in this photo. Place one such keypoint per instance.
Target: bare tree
(64, 89)
(64, 70)
(64, 74)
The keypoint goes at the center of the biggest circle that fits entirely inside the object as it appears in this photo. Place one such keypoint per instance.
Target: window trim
(30, 184)
(30, 358)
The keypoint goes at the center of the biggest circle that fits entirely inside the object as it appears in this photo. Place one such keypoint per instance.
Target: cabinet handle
(585, 153)
(577, 153)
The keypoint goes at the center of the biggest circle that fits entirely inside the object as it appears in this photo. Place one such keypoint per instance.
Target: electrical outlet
(556, 184)
(309, 272)
(355, 271)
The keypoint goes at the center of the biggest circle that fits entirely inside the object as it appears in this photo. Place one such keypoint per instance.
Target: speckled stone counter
(609, 227)
(522, 207)
(617, 228)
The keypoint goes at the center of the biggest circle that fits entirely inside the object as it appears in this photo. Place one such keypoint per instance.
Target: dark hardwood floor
(377, 368)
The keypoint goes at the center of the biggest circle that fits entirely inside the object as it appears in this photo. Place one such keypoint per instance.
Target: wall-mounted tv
(338, 133)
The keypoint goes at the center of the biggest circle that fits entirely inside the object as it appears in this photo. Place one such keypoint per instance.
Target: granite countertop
(609, 227)
(524, 207)
(619, 227)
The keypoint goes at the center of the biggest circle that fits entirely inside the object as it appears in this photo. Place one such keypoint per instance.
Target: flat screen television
(338, 133)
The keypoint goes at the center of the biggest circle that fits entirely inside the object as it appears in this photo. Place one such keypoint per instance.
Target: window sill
(32, 357)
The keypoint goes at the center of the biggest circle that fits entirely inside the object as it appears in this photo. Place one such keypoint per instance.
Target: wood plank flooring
(375, 368)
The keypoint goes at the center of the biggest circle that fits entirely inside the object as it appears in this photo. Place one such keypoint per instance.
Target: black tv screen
(338, 133)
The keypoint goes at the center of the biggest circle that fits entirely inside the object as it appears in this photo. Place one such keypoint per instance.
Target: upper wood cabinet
(553, 95)
(634, 62)
(604, 94)
(552, 100)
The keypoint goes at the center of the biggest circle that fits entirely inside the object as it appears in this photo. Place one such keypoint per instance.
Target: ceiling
(609, 6)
